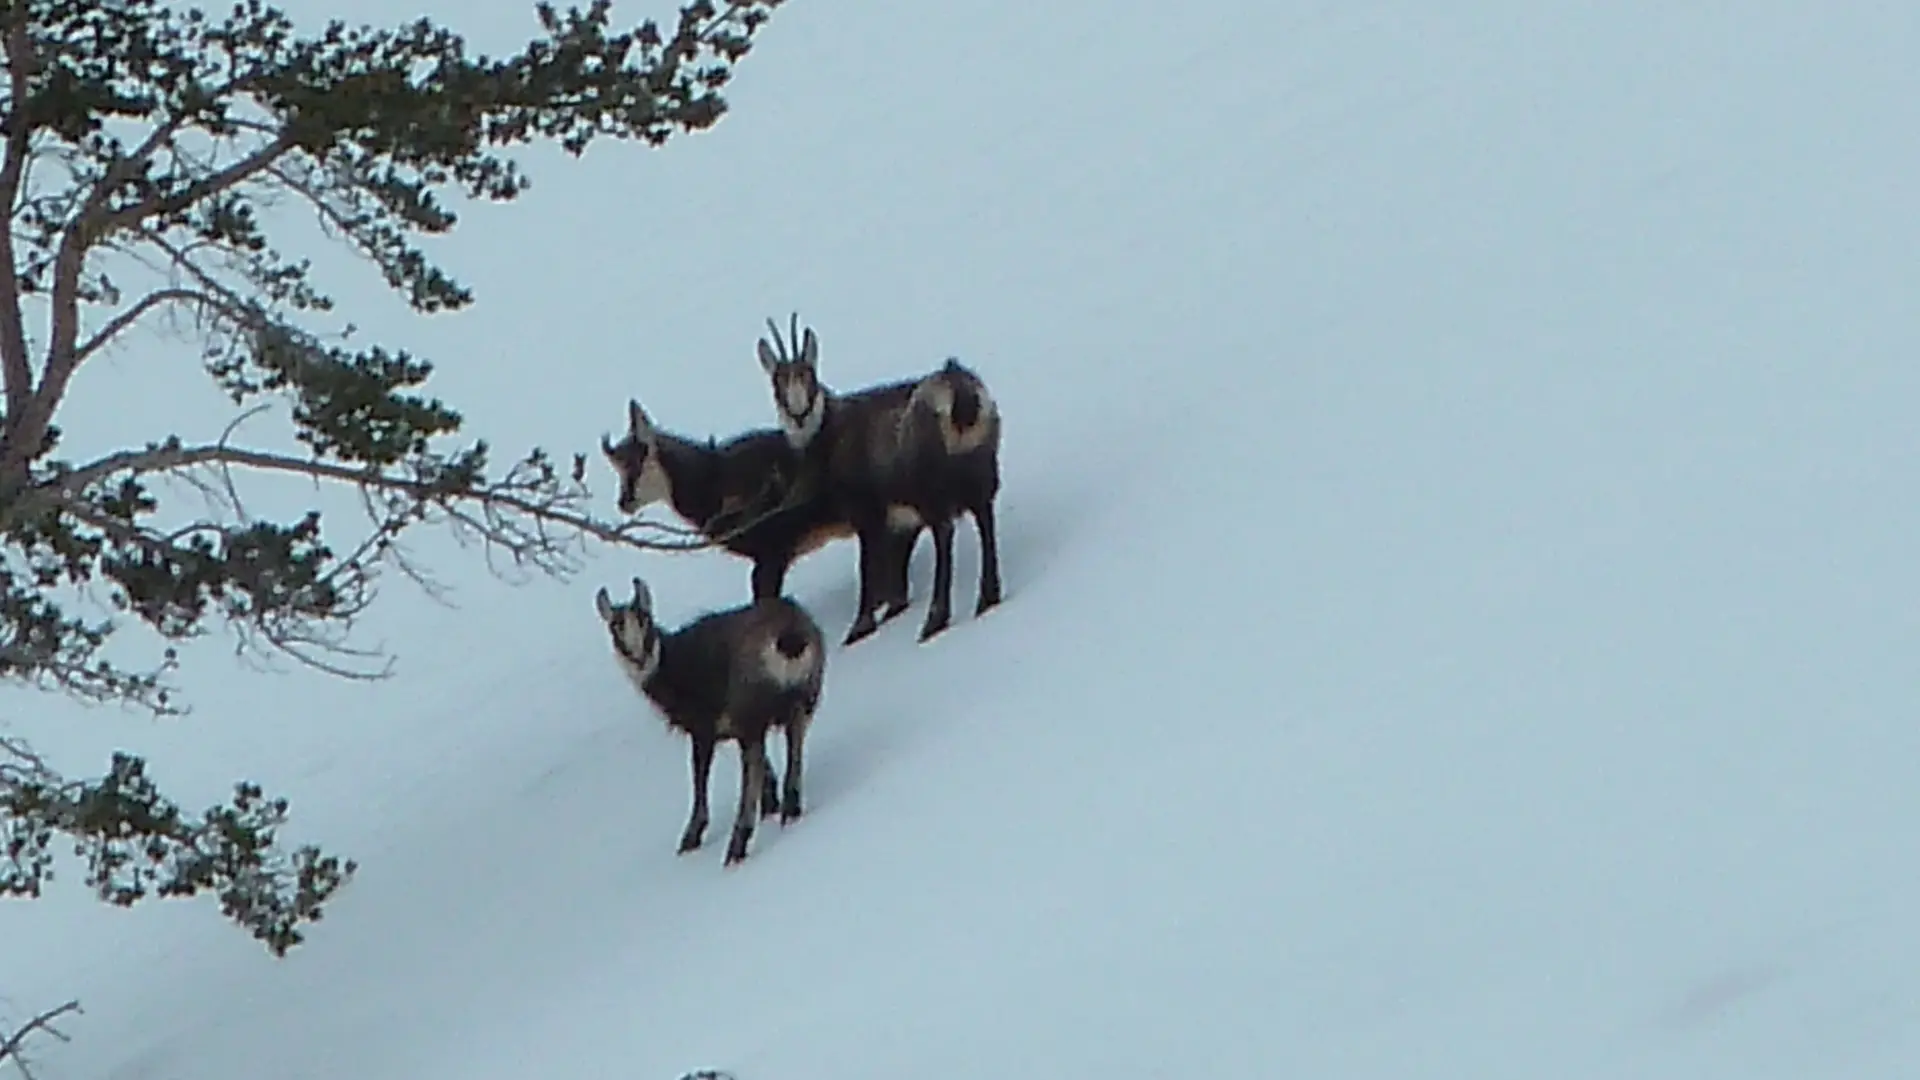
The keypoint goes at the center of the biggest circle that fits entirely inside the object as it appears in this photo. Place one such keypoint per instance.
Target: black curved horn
(779, 347)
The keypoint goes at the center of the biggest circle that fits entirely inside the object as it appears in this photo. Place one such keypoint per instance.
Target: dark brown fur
(732, 492)
(895, 458)
(728, 676)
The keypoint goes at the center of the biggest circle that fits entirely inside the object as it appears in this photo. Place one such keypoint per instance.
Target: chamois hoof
(737, 848)
(689, 841)
(936, 622)
(894, 610)
(989, 599)
(790, 812)
(862, 627)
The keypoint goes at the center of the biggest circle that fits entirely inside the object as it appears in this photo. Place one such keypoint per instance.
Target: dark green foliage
(135, 843)
(146, 149)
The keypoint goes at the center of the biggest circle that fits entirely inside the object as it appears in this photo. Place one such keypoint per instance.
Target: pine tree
(144, 149)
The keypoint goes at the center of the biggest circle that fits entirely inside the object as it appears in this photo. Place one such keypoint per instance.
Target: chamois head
(636, 637)
(636, 461)
(797, 393)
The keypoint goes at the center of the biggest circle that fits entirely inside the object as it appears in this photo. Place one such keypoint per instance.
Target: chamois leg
(696, 830)
(940, 611)
(797, 722)
(770, 575)
(989, 557)
(898, 564)
(753, 762)
(872, 533)
(770, 789)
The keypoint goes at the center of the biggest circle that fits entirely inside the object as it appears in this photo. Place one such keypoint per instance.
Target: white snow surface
(1460, 539)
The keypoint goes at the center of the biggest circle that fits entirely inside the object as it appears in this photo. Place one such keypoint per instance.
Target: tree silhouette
(146, 151)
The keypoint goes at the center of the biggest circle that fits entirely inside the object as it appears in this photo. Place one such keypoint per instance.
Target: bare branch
(21, 764)
(232, 490)
(217, 292)
(306, 644)
(119, 323)
(333, 224)
(524, 522)
(13, 1047)
(168, 458)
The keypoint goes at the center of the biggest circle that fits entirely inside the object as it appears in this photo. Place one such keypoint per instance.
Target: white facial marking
(632, 632)
(653, 486)
(795, 397)
(801, 427)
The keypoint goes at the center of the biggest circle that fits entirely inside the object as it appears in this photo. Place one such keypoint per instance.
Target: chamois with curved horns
(731, 675)
(896, 457)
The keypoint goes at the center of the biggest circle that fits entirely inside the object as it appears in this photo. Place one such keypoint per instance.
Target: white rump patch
(936, 393)
(902, 518)
(787, 670)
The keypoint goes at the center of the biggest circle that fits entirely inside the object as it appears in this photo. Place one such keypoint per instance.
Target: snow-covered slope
(1459, 530)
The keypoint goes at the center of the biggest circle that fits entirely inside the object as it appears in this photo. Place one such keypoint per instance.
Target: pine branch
(135, 843)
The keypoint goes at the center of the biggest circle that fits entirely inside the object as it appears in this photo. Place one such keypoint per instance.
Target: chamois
(894, 458)
(728, 675)
(753, 494)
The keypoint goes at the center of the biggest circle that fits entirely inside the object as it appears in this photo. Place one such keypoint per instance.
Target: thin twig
(169, 458)
(26, 766)
(14, 1046)
(119, 323)
(226, 440)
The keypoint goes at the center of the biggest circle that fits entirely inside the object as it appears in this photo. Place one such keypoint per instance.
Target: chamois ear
(642, 596)
(603, 604)
(638, 424)
(769, 363)
(810, 349)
